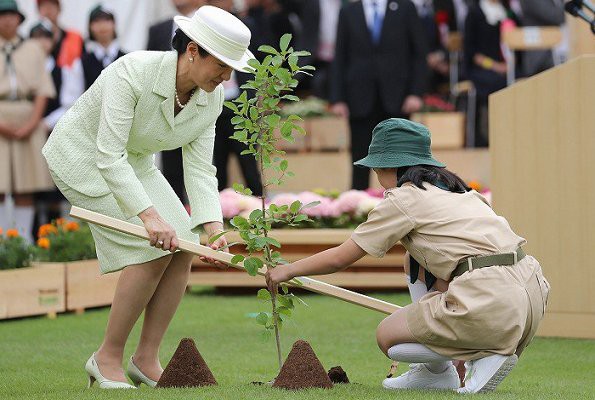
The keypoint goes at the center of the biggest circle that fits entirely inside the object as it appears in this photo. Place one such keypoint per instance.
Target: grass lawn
(44, 359)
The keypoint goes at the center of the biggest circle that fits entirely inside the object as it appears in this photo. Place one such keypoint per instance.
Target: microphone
(585, 3)
(575, 10)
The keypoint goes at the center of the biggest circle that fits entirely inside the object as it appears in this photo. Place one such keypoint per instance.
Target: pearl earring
(191, 59)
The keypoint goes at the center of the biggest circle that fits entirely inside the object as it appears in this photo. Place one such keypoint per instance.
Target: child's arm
(325, 262)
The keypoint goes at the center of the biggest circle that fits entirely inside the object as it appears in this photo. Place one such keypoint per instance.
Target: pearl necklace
(178, 99)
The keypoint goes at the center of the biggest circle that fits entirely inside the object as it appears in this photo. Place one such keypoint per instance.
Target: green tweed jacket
(108, 139)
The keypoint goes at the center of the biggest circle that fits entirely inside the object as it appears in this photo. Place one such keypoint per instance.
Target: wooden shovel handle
(204, 251)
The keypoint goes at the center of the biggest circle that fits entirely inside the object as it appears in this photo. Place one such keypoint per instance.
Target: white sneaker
(485, 374)
(419, 377)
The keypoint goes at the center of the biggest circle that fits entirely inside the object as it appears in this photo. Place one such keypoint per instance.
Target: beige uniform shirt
(439, 228)
(22, 168)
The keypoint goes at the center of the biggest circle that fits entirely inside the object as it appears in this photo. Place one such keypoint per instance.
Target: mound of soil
(337, 375)
(302, 369)
(186, 368)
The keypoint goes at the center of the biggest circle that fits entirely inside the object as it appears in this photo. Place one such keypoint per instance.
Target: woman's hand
(213, 229)
(277, 275)
(24, 131)
(6, 131)
(163, 236)
(412, 104)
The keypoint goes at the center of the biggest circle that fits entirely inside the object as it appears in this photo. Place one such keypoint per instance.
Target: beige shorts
(493, 310)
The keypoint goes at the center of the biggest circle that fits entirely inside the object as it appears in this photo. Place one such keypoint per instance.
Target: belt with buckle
(471, 263)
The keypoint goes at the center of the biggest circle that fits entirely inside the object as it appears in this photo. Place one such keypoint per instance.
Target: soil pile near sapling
(302, 369)
(338, 375)
(186, 368)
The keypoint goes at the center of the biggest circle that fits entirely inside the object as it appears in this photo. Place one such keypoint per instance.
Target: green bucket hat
(10, 5)
(398, 142)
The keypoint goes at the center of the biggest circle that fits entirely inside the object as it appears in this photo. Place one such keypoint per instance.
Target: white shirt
(73, 86)
(369, 10)
(106, 55)
(327, 34)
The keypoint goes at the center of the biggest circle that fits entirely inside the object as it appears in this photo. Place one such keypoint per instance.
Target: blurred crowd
(374, 59)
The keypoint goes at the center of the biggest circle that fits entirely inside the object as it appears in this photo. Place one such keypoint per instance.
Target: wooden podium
(542, 150)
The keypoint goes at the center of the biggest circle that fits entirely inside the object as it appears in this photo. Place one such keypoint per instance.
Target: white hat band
(225, 46)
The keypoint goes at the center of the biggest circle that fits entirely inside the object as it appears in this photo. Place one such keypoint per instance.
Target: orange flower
(45, 230)
(12, 233)
(475, 185)
(1, 231)
(60, 221)
(44, 243)
(71, 227)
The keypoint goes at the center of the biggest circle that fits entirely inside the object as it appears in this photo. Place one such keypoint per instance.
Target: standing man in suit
(160, 36)
(379, 70)
(540, 13)
(319, 30)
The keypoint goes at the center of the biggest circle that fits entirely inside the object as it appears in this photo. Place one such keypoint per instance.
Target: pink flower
(284, 199)
(375, 192)
(366, 205)
(348, 201)
(309, 197)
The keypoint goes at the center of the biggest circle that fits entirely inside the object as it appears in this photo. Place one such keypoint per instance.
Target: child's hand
(275, 276)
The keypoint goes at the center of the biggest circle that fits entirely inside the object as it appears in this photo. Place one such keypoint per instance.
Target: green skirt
(117, 250)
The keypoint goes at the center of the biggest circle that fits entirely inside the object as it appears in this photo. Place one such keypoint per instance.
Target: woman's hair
(437, 176)
(180, 43)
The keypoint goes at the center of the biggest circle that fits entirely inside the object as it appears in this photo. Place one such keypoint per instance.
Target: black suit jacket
(309, 38)
(391, 71)
(160, 36)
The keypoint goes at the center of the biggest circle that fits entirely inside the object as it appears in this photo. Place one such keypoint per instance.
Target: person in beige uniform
(24, 89)
(476, 295)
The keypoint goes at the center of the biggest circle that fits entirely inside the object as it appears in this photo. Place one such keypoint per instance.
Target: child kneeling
(476, 295)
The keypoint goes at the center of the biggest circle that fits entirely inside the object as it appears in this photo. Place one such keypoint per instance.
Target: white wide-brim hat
(220, 33)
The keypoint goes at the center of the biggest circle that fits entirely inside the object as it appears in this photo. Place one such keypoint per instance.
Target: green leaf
(272, 241)
(255, 215)
(263, 294)
(301, 53)
(238, 258)
(231, 106)
(262, 318)
(253, 113)
(284, 288)
(217, 236)
(284, 311)
(254, 63)
(273, 120)
(267, 49)
(295, 206)
(284, 42)
(285, 301)
(283, 165)
(311, 204)
(291, 97)
(239, 222)
(300, 218)
(252, 265)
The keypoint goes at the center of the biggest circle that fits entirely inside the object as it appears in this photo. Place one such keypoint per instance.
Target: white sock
(3, 217)
(24, 221)
(418, 353)
(417, 290)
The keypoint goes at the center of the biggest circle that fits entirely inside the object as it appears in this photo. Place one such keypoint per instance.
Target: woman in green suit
(100, 155)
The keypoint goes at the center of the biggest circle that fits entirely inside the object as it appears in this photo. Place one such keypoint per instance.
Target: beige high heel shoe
(137, 377)
(94, 375)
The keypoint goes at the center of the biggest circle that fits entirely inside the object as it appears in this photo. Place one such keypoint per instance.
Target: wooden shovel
(204, 251)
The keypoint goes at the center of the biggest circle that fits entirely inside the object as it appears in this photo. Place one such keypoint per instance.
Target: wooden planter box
(367, 273)
(447, 128)
(328, 133)
(35, 290)
(86, 288)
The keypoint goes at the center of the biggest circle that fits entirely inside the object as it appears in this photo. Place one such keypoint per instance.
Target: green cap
(398, 142)
(10, 5)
